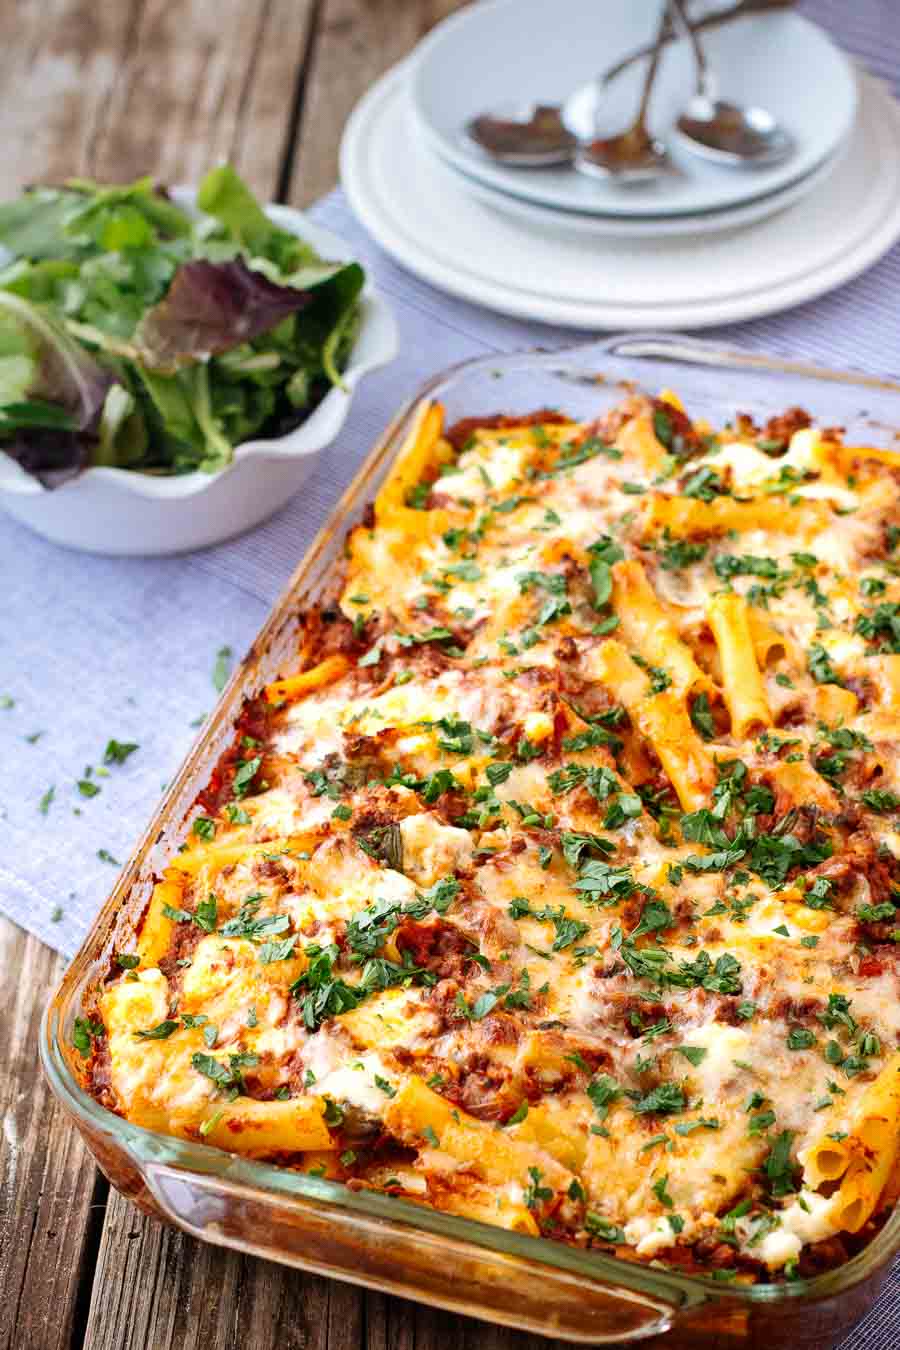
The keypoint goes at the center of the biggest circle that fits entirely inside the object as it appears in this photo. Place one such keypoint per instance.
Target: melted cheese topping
(457, 918)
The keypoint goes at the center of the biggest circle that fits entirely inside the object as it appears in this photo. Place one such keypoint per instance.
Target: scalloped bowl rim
(319, 429)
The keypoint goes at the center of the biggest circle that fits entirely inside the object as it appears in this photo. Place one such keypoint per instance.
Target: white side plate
(415, 208)
(547, 219)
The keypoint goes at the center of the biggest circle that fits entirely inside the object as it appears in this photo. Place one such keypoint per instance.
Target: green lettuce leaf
(150, 339)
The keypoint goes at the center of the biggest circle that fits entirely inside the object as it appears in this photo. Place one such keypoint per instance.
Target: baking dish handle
(704, 352)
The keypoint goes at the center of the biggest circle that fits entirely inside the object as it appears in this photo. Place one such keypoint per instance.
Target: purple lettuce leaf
(50, 416)
(210, 308)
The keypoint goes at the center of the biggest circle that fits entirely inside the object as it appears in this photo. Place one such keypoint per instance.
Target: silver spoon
(724, 132)
(537, 135)
(529, 135)
(635, 155)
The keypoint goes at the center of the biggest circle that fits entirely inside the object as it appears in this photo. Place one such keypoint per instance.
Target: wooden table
(114, 90)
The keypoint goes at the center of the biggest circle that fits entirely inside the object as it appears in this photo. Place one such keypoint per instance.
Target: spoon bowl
(633, 157)
(529, 135)
(721, 131)
(724, 133)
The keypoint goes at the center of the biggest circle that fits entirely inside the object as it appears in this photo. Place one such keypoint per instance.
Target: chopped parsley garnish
(246, 772)
(705, 485)
(701, 717)
(85, 1031)
(729, 565)
(222, 668)
(227, 1077)
(663, 1100)
(676, 554)
(535, 1194)
(247, 925)
(597, 1226)
(161, 1032)
(270, 952)
(778, 1167)
(659, 1190)
(117, 752)
(881, 626)
(820, 666)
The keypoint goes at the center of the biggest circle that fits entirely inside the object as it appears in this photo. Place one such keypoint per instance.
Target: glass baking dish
(391, 1244)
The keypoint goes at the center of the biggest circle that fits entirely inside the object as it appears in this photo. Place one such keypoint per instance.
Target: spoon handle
(653, 67)
(706, 82)
(736, 11)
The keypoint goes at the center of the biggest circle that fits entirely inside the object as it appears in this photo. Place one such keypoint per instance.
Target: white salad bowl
(126, 512)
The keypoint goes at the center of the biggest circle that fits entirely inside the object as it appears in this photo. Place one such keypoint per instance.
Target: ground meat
(328, 631)
(184, 939)
(363, 753)
(253, 721)
(486, 1094)
(450, 806)
(638, 1014)
(607, 426)
(821, 1256)
(862, 772)
(727, 1012)
(849, 818)
(376, 814)
(440, 501)
(871, 966)
(442, 998)
(436, 944)
(685, 440)
(535, 676)
(745, 427)
(800, 1011)
(271, 869)
(101, 1075)
(791, 715)
(460, 431)
(859, 856)
(879, 930)
(862, 687)
(429, 659)
(805, 819)
(782, 427)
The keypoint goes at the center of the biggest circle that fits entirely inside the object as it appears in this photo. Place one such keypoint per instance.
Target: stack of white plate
(710, 245)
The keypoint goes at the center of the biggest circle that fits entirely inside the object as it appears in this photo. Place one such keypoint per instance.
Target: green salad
(134, 334)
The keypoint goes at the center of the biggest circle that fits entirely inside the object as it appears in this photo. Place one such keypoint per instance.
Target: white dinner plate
(506, 51)
(414, 207)
(551, 220)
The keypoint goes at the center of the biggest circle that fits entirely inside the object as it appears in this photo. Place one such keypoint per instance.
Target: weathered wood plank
(397, 1324)
(357, 41)
(205, 80)
(150, 86)
(49, 1189)
(155, 1286)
